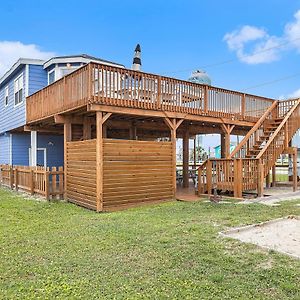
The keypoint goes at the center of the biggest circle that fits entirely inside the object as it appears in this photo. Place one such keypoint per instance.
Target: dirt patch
(282, 235)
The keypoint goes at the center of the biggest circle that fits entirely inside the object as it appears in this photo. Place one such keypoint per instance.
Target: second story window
(51, 77)
(18, 90)
(6, 96)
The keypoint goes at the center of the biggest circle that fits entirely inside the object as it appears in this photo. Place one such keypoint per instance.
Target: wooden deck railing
(34, 180)
(279, 140)
(97, 83)
(235, 175)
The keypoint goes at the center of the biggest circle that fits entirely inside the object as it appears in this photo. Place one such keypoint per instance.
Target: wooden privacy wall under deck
(81, 173)
(136, 172)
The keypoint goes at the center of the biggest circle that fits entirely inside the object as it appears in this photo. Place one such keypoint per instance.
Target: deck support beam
(185, 168)
(33, 158)
(87, 129)
(173, 125)
(225, 140)
(67, 138)
(101, 118)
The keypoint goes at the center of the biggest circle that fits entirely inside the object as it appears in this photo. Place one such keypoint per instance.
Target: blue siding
(54, 144)
(4, 149)
(20, 148)
(37, 78)
(12, 116)
(55, 148)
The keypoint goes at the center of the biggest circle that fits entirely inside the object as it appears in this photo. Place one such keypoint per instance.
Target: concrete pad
(282, 235)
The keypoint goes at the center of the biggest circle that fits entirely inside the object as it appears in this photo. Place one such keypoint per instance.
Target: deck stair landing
(251, 161)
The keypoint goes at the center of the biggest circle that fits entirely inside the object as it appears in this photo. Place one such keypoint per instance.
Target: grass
(166, 251)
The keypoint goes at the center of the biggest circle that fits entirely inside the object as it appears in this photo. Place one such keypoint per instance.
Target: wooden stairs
(251, 161)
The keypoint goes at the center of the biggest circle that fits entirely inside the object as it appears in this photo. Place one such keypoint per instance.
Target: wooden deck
(96, 84)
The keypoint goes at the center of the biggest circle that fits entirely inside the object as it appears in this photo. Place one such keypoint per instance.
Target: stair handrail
(253, 129)
(259, 155)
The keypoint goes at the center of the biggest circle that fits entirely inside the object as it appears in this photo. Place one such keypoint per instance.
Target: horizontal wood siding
(81, 173)
(136, 172)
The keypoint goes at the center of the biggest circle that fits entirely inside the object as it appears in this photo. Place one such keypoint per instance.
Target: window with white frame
(6, 96)
(51, 77)
(18, 90)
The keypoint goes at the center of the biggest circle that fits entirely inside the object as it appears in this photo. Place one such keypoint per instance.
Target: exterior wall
(37, 78)
(5, 149)
(53, 144)
(136, 172)
(81, 173)
(20, 149)
(12, 116)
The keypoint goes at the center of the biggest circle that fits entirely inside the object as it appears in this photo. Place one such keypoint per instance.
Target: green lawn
(167, 251)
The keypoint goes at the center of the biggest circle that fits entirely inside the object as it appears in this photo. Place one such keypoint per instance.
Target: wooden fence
(34, 180)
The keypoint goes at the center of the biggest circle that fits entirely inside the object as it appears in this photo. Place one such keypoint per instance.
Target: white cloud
(292, 31)
(295, 94)
(11, 51)
(254, 45)
(263, 46)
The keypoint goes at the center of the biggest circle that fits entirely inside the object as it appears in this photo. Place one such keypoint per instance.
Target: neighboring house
(26, 76)
(218, 150)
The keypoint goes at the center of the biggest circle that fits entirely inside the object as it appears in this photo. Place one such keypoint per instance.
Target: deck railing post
(16, 178)
(243, 106)
(206, 99)
(260, 178)
(47, 184)
(11, 177)
(31, 182)
(237, 178)
(158, 92)
(209, 176)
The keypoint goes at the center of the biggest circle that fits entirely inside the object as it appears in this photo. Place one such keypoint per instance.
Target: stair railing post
(209, 176)
(260, 178)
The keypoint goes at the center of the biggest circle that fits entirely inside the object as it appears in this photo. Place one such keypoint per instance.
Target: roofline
(79, 58)
(18, 63)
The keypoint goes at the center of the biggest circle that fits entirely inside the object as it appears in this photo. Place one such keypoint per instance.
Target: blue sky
(176, 37)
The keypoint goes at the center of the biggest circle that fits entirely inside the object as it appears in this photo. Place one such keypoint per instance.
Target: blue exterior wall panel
(54, 145)
(20, 148)
(37, 78)
(5, 149)
(12, 116)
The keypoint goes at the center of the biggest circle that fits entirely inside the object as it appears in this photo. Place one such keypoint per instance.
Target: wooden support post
(243, 106)
(295, 169)
(225, 140)
(274, 175)
(195, 154)
(238, 178)
(132, 131)
(87, 129)
(223, 146)
(99, 161)
(268, 180)
(67, 138)
(173, 125)
(185, 147)
(260, 179)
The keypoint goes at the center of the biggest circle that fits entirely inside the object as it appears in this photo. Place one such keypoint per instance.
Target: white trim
(14, 98)
(33, 147)
(48, 74)
(78, 59)
(21, 61)
(6, 89)
(26, 81)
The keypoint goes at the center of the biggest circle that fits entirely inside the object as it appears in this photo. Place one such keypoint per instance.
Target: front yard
(167, 251)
